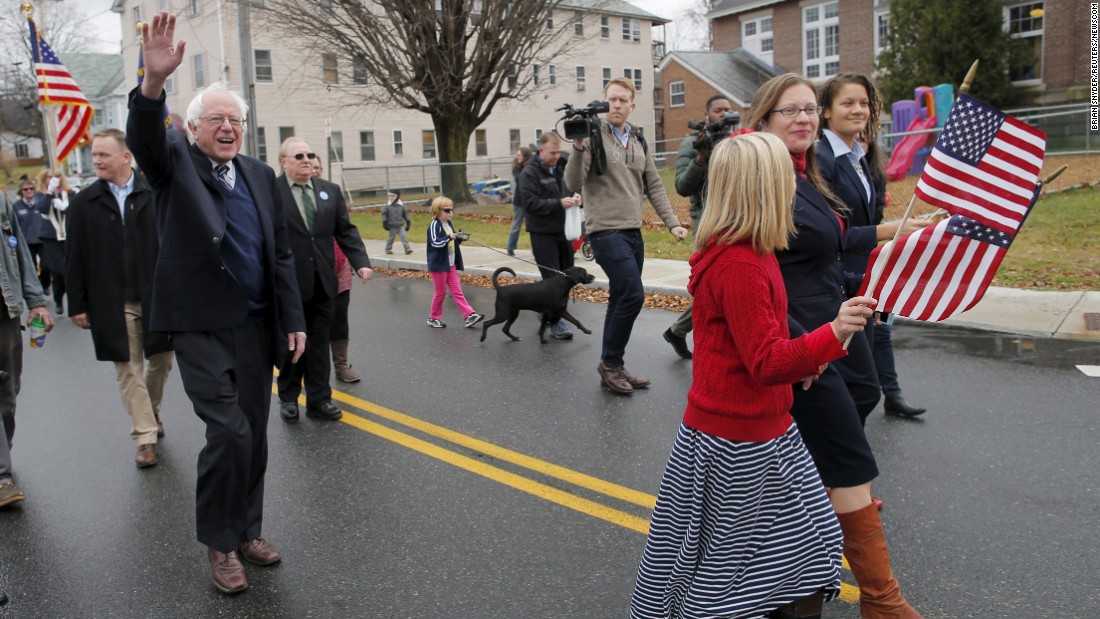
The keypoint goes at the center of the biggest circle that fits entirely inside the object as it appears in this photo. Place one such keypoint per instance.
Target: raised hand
(162, 58)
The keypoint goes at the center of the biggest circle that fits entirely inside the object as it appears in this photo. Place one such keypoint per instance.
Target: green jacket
(691, 179)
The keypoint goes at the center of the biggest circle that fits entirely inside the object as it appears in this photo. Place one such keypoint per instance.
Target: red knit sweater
(745, 361)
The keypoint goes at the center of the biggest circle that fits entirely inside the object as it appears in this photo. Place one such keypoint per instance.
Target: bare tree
(454, 60)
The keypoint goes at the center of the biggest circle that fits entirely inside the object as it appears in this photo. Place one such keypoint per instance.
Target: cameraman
(613, 214)
(691, 182)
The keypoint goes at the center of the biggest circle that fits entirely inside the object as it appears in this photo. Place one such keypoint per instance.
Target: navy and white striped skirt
(739, 530)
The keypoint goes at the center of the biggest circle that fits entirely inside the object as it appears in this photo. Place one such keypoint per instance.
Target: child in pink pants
(444, 263)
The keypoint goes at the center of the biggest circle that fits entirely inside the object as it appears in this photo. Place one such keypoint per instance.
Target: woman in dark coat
(830, 412)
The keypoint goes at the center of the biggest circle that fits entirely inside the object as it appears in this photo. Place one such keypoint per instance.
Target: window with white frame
(514, 138)
(632, 29)
(606, 74)
(329, 72)
(550, 22)
(170, 85)
(481, 147)
(427, 137)
(513, 76)
(882, 28)
(676, 94)
(359, 70)
(552, 75)
(285, 133)
(580, 78)
(99, 118)
(198, 67)
(538, 134)
(366, 146)
(1025, 21)
(821, 40)
(22, 151)
(194, 8)
(261, 144)
(757, 39)
(578, 23)
(162, 5)
(535, 75)
(337, 151)
(636, 75)
(137, 16)
(261, 64)
(398, 145)
(605, 27)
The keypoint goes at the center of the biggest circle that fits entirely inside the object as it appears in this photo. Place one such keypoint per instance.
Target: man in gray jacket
(21, 290)
(613, 215)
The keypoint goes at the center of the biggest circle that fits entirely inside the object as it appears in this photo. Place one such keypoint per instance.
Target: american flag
(984, 165)
(57, 87)
(984, 172)
(939, 271)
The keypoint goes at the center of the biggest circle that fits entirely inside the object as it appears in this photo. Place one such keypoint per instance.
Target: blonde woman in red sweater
(742, 525)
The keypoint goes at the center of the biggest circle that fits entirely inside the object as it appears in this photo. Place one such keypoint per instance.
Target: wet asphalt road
(991, 502)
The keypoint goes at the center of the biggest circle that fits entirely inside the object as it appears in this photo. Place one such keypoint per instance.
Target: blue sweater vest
(242, 248)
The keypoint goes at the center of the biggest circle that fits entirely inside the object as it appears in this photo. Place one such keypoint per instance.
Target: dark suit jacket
(859, 238)
(97, 245)
(313, 252)
(193, 289)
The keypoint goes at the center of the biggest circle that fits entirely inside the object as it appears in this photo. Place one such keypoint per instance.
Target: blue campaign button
(12, 241)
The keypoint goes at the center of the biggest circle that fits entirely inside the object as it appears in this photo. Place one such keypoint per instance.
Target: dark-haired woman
(829, 414)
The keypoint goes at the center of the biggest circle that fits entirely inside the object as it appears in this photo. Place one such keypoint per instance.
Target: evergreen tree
(933, 42)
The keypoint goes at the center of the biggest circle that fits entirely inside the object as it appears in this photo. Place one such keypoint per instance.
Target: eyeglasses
(447, 210)
(216, 120)
(26, 189)
(792, 112)
(301, 156)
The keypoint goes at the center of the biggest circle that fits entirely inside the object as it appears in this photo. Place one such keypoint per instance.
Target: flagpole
(47, 126)
(880, 264)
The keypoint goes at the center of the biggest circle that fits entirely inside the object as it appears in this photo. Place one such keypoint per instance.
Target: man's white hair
(196, 108)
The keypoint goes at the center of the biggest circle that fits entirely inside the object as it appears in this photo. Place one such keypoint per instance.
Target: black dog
(549, 296)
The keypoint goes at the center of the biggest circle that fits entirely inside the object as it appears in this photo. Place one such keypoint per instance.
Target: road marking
(1092, 371)
(848, 593)
(549, 469)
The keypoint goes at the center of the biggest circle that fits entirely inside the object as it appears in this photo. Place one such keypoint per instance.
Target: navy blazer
(193, 289)
(811, 264)
(313, 253)
(860, 236)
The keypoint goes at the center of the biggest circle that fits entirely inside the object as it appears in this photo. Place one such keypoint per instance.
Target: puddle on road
(1043, 352)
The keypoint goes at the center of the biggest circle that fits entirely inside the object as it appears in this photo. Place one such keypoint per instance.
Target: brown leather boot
(865, 547)
(615, 379)
(340, 363)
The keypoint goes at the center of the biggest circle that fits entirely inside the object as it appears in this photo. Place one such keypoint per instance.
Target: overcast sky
(106, 31)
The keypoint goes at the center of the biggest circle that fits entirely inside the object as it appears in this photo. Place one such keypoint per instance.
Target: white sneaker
(436, 323)
(473, 319)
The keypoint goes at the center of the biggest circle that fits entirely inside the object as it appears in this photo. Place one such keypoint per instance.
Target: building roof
(613, 7)
(737, 74)
(98, 75)
(724, 8)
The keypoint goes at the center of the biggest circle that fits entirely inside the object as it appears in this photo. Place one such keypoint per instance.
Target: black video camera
(586, 126)
(715, 132)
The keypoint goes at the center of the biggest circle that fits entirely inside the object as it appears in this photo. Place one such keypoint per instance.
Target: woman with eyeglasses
(830, 411)
(850, 110)
(444, 263)
(29, 207)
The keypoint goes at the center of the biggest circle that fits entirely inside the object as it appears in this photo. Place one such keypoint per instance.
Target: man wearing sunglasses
(224, 287)
(316, 216)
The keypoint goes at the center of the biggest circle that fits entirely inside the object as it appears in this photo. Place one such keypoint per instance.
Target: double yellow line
(618, 517)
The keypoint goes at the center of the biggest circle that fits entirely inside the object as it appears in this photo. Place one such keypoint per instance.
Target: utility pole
(248, 82)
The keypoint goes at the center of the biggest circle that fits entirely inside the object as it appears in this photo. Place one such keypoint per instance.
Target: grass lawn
(1057, 249)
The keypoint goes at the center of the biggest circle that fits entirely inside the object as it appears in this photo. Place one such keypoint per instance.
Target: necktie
(308, 206)
(222, 172)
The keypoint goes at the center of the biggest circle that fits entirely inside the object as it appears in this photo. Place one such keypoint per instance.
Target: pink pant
(442, 282)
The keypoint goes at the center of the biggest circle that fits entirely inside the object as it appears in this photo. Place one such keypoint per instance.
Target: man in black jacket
(111, 251)
(544, 199)
(224, 287)
(316, 215)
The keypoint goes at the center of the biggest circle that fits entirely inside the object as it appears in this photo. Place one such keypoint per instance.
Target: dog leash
(514, 257)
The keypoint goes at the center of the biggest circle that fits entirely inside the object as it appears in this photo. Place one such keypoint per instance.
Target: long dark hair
(829, 91)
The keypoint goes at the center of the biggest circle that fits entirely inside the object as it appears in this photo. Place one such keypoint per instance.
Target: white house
(612, 38)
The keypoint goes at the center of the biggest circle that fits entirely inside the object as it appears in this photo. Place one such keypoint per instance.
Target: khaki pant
(141, 387)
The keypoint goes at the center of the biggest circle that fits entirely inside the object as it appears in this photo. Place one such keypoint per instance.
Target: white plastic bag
(573, 219)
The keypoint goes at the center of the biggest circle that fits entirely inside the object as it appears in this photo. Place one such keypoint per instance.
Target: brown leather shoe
(146, 456)
(637, 383)
(259, 551)
(160, 426)
(615, 379)
(227, 572)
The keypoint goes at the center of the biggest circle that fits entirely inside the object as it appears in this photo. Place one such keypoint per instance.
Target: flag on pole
(56, 87)
(141, 78)
(984, 172)
(985, 165)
